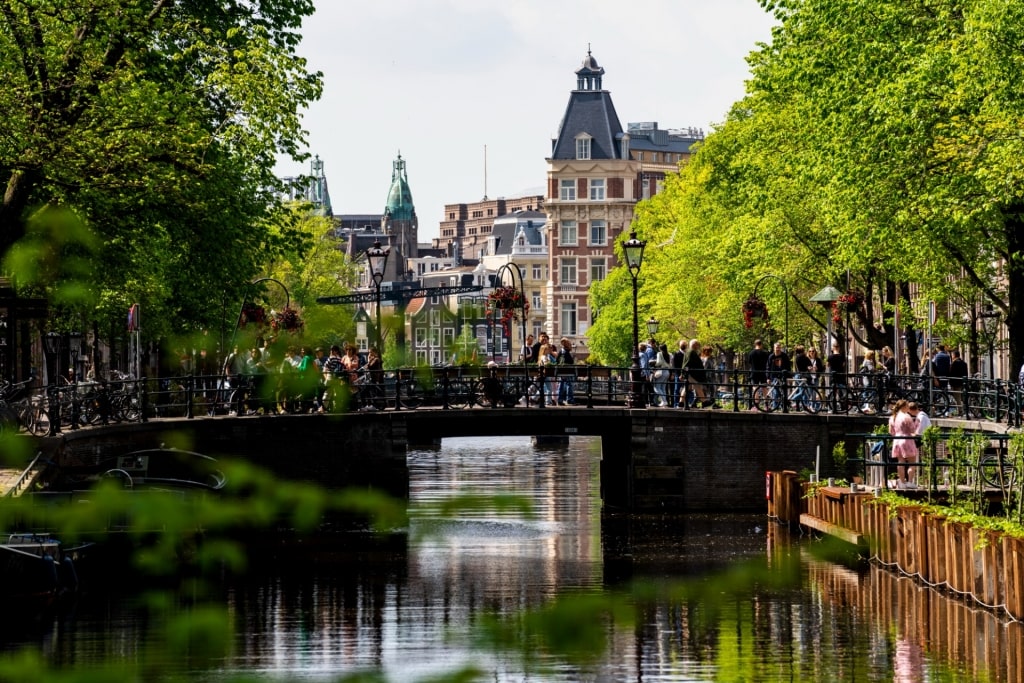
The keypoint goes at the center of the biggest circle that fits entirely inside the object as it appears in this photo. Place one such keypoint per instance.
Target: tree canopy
(878, 143)
(158, 124)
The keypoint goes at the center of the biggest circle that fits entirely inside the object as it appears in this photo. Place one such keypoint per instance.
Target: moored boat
(36, 568)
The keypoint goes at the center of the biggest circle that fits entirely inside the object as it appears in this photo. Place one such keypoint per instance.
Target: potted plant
(851, 300)
(754, 308)
(508, 301)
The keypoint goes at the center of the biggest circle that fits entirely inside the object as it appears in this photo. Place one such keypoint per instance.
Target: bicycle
(772, 396)
(804, 396)
(32, 415)
(997, 471)
(836, 396)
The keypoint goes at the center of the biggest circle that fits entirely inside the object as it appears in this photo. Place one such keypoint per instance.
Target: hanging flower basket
(508, 301)
(252, 314)
(286, 320)
(754, 309)
(851, 300)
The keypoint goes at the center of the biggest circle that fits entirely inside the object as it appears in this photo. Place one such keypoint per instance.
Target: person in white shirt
(920, 417)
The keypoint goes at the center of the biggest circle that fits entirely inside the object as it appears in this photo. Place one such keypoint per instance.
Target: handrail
(22, 480)
(188, 396)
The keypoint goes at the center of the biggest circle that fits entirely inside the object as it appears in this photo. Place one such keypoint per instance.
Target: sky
(471, 92)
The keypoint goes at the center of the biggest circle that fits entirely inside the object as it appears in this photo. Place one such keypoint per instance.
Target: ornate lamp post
(652, 327)
(827, 296)
(378, 260)
(634, 252)
(52, 341)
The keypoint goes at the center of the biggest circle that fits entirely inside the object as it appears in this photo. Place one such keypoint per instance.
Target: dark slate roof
(503, 234)
(530, 222)
(591, 112)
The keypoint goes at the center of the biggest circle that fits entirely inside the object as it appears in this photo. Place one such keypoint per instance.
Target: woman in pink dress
(904, 447)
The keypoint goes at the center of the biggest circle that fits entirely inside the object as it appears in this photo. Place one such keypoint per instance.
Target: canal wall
(336, 451)
(982, 566)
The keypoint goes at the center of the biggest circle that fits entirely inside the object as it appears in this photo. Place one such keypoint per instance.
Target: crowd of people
(299, 380)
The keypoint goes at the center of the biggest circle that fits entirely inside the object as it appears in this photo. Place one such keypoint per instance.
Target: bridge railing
(528, 387)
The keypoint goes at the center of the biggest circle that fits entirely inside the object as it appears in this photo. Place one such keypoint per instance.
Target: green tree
(904, 118)
(159, 124)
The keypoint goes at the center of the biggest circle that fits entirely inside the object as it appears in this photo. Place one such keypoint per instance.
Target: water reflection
(724, 597)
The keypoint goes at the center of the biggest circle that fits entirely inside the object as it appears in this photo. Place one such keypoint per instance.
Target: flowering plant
(754, 307)
(287, 320)
(852, 300)
(507, 300)
(252, 313)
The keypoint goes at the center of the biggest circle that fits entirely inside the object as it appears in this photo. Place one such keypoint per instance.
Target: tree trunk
(12, 211)
(1014, 228)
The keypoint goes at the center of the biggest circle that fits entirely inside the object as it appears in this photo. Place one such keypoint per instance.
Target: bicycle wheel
(480, 394)
(997, 472)
(839, 399)
(986, 405)
(373, 396)
(411, 395)
(764, 399)
(811, 400)
(459, 393)
(939, 405)
(40, 422)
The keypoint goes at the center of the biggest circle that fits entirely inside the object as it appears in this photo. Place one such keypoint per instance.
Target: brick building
(596, 174)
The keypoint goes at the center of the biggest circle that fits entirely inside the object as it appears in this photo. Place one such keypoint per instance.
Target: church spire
(399, 205)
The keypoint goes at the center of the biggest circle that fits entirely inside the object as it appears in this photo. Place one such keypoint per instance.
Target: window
(435, 357)
(597, 189)
(538, 271)
(598, 233)
(449, 337)
(435, 319)
(568, 234)
(583, 148)
(535, 301)
(568, 318)
(538, 327)
(421, 358)
(568, 271)
(435, 337)
(639, 156)
(421, 336)
(361, 329)
(598, 269)
(645, 188)
(567, 193)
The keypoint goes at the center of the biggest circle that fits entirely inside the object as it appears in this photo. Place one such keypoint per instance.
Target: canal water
(727, 597)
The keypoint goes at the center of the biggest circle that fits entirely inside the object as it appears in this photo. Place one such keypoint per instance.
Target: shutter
(581, 189)
(615, 188)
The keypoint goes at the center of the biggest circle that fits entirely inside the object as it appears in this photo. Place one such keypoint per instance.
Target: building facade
(466, 227)
(596, 174)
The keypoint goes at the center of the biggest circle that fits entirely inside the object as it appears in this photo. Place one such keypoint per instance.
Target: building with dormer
(596, 174)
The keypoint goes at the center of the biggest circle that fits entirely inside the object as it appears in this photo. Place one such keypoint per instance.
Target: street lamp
(827, 296)
(75, 347)
(52, 341)
(378, 260)
(652, 327)
(634, 252)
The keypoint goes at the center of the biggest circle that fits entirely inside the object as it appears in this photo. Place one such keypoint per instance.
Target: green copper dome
(400, 205)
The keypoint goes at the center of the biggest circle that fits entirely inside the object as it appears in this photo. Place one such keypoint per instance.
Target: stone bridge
(652, 460)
